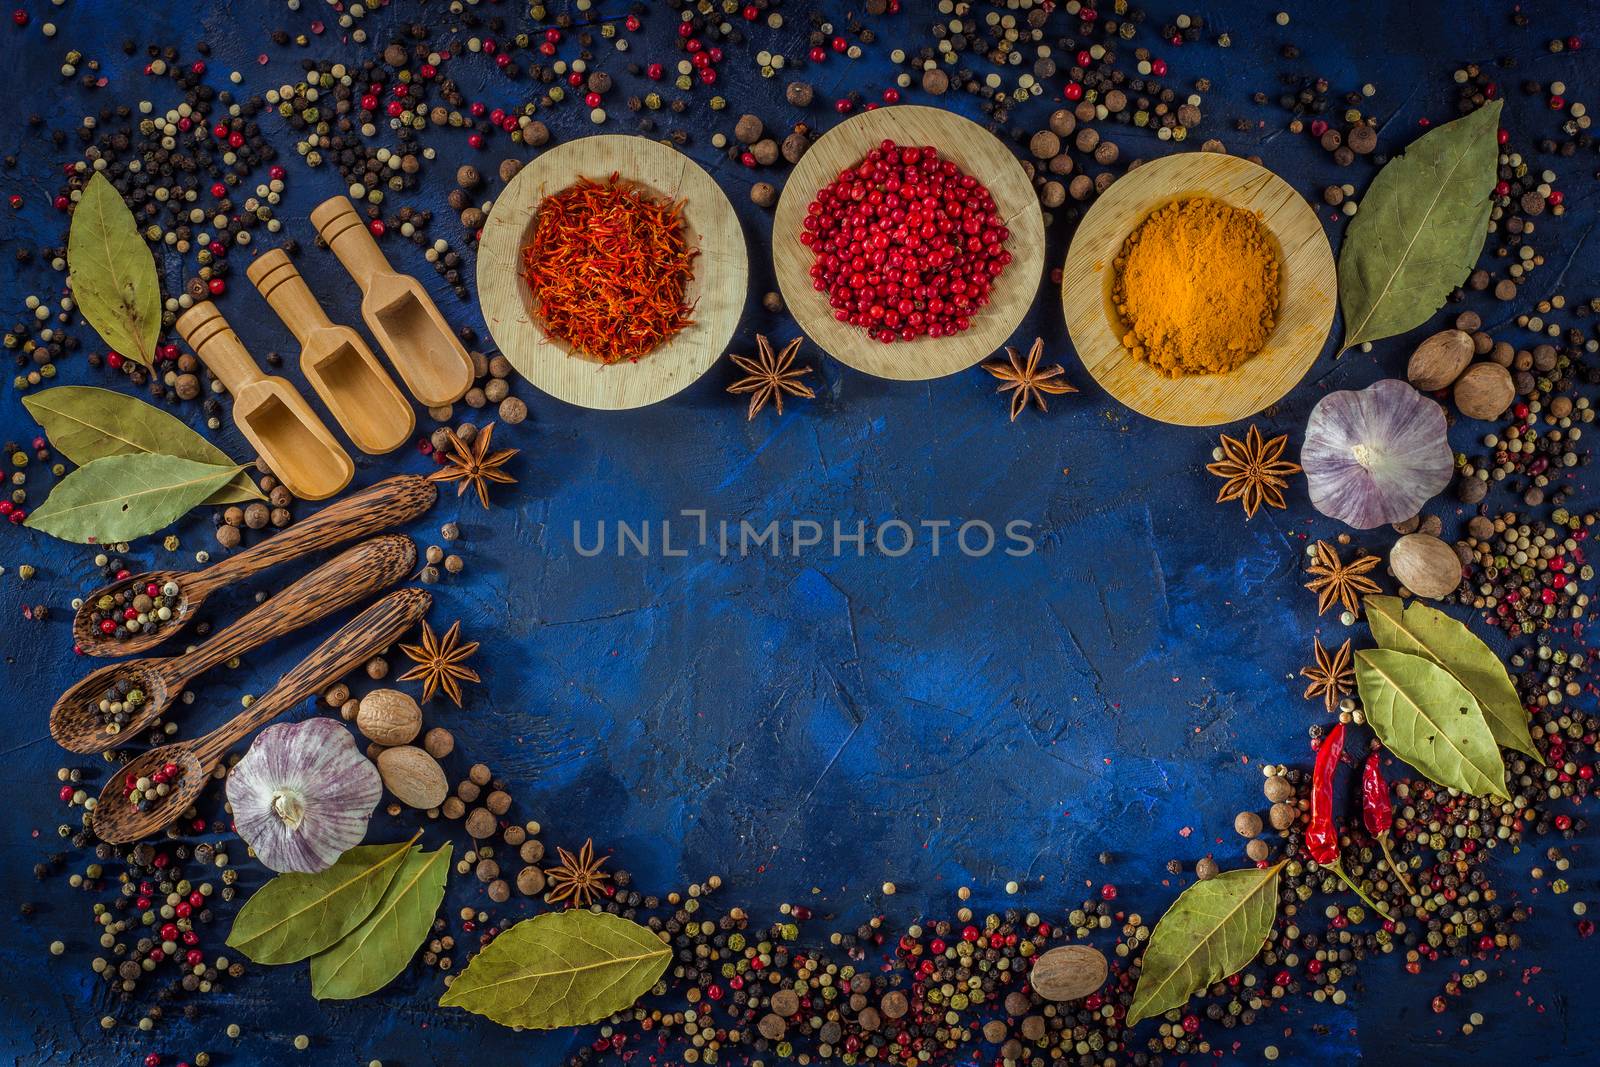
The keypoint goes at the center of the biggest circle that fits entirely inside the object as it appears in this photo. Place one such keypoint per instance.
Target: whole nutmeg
(389, 717)
(1484, 391)
(1044, 144)
(1068, 972)
(1439, 360)
(1247, 824)
(414, 777)
(1425, 565)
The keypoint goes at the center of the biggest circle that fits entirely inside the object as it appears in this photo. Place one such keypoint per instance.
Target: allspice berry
(439, 742)
(1206, 868)
(1247, 824)
(748, 129)
(530, 881)
(1063, 122)
(481, 824)
(763, 194)
(799, 94)
(467, 176)
(1044, 145)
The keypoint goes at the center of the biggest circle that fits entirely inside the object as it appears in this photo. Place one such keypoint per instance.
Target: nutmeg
(389, 717)
(1439, 360)
(414, 777)
(1425, 565)
(1484, 391)
(1068, 972)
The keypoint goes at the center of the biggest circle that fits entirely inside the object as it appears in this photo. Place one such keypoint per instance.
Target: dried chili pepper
(609, 267)
(1322, 835)
(1377, 812)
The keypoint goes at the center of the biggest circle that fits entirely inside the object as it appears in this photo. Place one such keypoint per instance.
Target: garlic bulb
(1376, 456)
(303, 794)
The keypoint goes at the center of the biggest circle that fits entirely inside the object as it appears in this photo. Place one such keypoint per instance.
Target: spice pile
(1197, 287)
(609, 266)
(906, 244)
(136, 609)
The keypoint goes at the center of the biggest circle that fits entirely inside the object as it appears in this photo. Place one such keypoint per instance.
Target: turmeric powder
(1197, 287)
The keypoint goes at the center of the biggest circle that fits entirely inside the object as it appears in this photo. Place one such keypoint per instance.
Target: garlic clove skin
(1377, 455)
(302, 795)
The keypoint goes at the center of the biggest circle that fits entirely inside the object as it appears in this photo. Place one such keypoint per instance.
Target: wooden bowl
(717, 291)
(978, 153)
(1307, 287)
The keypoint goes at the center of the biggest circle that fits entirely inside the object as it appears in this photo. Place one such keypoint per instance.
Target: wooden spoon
(374, 509)
(355, 575)
(270, 412)
(397, 309)
(117, 821)
(335, 360)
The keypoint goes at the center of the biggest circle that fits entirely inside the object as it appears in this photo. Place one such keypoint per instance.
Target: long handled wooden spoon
(335, 360)
(118, 821)
(397, 309)
(372, 566)
(373, 510)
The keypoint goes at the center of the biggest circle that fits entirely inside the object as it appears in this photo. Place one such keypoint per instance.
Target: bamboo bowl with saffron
(1307, 288)
(716, 291)
(977, 152)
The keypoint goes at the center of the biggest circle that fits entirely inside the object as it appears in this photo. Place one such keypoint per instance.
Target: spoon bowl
(92, 642)
(75, 721)
(117, 820)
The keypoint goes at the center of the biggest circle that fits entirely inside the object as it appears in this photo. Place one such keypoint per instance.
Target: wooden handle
(351, 576)
(214, 341)
(350, 646)
(373, 510)
(340, 225)
(275, 277)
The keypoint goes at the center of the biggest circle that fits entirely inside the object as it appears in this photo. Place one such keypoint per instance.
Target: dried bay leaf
(1427, 718)
(119, 498)
(567, 968)
(113, 274)
(1424, 631)
(1421, 227)
(85, 424)
(1213, 930)
(295, 916)
(373, 954)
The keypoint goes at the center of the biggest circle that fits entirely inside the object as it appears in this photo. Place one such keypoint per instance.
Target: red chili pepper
(1322, 835)
(1377, 811)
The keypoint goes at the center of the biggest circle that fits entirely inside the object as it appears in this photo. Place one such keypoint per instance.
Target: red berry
(114, 360)
(377, 227)
(19, 17)
(1073, 91)
(1158, 67)
(217, 286)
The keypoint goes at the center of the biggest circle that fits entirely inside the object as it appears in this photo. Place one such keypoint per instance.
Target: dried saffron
(609, 267)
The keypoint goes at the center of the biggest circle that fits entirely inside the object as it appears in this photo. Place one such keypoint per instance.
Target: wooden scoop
(397, 310)
(268, 411)
(355, 575)
(119, 822)
(373, 510)
(335, 360)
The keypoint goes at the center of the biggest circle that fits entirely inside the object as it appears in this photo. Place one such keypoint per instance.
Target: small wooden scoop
(335, 360)
(397, 310)
(355, 575)
(119, 822)
(373, 510)
(268, 411)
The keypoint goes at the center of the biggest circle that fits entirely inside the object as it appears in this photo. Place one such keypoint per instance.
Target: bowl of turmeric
(1199, 289)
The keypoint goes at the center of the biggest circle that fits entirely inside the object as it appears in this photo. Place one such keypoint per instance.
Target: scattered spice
(1197, 287)
(1254, 471)
(770, 376)
(470, 463)
(579, 879)
(1332, 676)
(1337, 582)
(441, 662)
(609, 266)
(1025, 380)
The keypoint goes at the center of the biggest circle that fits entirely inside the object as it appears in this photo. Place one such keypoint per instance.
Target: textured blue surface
(811, 727)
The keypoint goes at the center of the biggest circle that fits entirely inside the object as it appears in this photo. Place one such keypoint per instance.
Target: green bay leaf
(113, 274)
(1429, 632)
(1421, 227)
(1427, 718)
(119, 498)
(1213, 930)
(371, 956)
(298, 915)
(566, 968)
(85, 424)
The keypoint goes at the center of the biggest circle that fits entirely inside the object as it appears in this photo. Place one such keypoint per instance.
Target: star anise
(1337, 582)
(474, 464)
(578, 879)
(1025, 380)
(769, 376)
(441, 662)
(1255, 472)
(1332, 676)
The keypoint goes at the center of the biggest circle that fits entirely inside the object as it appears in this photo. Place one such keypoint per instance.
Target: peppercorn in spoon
(373, 510)
(150, 792)
(116, 702)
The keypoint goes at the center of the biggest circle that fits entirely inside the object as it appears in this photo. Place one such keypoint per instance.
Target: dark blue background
(810, 728)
